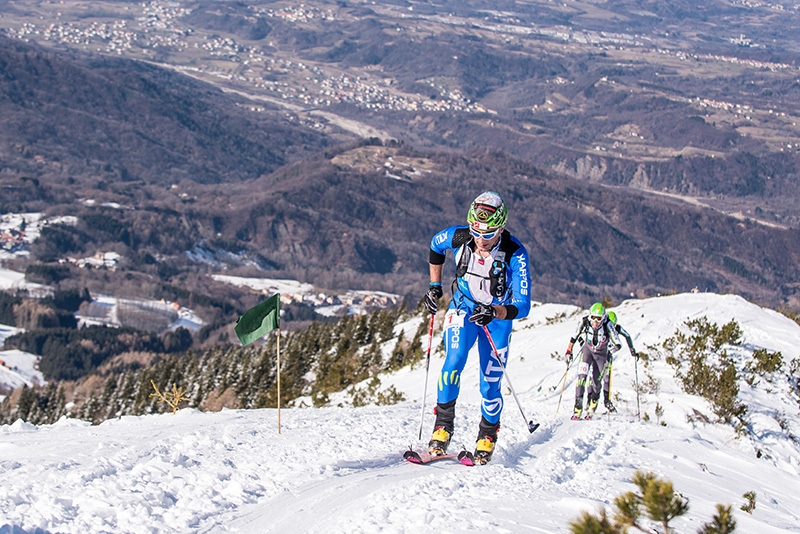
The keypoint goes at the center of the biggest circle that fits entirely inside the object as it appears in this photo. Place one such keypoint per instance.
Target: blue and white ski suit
(504, 279)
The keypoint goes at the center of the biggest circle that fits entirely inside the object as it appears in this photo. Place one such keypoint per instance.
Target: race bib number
(454, 319)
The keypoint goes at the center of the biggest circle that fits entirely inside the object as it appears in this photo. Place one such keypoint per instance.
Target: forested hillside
(82, 123)
(185, 180)
(315, 363)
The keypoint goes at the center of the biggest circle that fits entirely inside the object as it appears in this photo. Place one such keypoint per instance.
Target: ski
(424, 458)
(466, 458)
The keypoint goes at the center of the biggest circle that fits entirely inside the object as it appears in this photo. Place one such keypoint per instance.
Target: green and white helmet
(612, 317)
(487, 212)
(597, 310)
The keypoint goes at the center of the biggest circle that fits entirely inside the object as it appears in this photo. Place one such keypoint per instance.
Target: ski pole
(530, 424)
(563, 385)
(636, 368)
(553, 388)
(610, 376)
(427, 365)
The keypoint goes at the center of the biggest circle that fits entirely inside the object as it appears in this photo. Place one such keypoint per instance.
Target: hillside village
(158, 27)
(159, 33)
(17, 230)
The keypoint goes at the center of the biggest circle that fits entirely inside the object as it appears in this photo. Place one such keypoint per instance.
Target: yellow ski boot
(440, 439)
(483, 450)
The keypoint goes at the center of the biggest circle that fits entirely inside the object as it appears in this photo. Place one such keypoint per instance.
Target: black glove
(568, 357)
(431, 298)
(482, 315)
(636, 355)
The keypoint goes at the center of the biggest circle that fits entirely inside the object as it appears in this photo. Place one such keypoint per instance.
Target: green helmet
(487, 212)
(597, 310)
(612, 317)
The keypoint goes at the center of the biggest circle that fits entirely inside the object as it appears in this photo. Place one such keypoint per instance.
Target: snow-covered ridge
(339, 470)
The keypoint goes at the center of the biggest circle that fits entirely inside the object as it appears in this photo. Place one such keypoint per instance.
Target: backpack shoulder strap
(460, 237)
(507, 246)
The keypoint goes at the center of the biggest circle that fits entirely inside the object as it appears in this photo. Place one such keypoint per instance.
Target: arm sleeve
(624, 333)
(614, 338)
(579, 331)
(520, 303)
(435, 258)
(440, 243)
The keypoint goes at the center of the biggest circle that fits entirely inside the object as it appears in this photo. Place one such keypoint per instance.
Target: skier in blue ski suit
(491, 289)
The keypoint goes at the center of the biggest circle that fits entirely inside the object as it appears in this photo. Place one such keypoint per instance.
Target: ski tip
(466, 458)
(412, 456)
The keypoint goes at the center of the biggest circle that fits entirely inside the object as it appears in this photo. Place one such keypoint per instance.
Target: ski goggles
(596, 318)
(484, 235)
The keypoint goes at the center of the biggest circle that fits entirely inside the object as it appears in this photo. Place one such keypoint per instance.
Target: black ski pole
(427, 365)
(530, 424)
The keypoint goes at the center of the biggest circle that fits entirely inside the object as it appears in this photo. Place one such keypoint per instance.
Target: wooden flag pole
(278, 345)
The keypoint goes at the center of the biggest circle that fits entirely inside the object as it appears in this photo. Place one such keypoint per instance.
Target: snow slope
(340, 470)
(19, 368)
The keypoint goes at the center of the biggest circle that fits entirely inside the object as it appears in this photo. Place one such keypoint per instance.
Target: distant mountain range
(615, 192)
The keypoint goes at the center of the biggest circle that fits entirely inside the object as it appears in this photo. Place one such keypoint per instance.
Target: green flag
(259, 320)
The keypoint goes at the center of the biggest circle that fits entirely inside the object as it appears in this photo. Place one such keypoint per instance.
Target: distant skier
(607, 376)
(492, 287)
(601, 342)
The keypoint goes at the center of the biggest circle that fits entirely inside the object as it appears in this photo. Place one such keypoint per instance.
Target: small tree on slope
(659, 501)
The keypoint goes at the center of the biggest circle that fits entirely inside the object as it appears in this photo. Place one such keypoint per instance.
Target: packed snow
(340, 469)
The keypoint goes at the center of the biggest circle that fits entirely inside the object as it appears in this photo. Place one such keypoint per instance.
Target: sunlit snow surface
(340, 469)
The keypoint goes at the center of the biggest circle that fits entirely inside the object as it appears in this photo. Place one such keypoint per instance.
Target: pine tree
(704, 368)
(589, 524)
(722, 523)
(659, 501)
